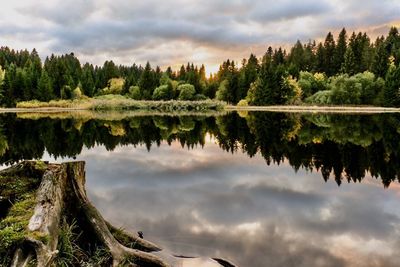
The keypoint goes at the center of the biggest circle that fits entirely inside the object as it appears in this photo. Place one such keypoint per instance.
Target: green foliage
(392, 90)
(243, 103)
(222, 92)
(254, 91)
(247, 75)
(381, 61)
(22, 77)
(67, 246)
(340, 50)
(147, 82)
(163, 92)
(312, 83)
(199, 97)
(345, 90)
(349, 65)
(88, 80)
(329, 55)
(114, 86)
(320, 98)
(134, 92)
(164, 80)
(293, 90)
(45, 88)
(186, 92)
(66, 92)
(2, 74)
(362, 88)
(13, 227)
(371, 88)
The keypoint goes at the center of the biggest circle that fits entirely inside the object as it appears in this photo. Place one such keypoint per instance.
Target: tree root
(63, 185)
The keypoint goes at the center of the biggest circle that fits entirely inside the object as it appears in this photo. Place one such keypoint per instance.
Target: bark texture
(63, 186)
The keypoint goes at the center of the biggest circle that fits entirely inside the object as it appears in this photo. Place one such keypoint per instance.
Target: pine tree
(329, 49)
(9, 85)
(393, 44)
(320, 59)
(392, 89)
(45, 88)
(340, 50)
(87, 80)
(349, 65)
(146, 82)
(381, 61)
(296, 56)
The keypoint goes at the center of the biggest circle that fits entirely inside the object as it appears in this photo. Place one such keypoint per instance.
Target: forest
(349, 70)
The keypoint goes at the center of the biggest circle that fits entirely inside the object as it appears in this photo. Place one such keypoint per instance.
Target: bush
(312, 83)
(292, 90)
(163, 92)
(345, 90)
(320, 98)
(2, 74)
(362, 88)
(134, 92)
(199, 97)
(186, 91)
(76, 93)
(222, 92)
(243, 103)
(66, 92)
(114, 86)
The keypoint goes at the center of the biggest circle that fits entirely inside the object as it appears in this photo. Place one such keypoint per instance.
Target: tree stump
(47, 197)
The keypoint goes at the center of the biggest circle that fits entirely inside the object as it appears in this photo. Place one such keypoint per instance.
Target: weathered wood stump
(49, 196)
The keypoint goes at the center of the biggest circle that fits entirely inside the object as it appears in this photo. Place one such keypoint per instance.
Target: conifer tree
(45, 89)
(340, 50)
(146, 82)
(392, 89)
(329, 53)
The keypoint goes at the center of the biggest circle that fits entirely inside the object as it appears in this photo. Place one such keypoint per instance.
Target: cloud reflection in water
(207, 202)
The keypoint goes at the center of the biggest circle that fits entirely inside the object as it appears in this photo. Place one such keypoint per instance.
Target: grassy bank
(315, 109)
(117, 103)
(114, 102)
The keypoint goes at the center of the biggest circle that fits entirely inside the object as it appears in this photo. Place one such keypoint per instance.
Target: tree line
(349, 70)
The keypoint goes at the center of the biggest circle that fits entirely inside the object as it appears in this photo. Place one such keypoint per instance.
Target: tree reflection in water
(342, 147)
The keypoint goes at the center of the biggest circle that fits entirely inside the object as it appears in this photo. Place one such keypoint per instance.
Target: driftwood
(63, 187)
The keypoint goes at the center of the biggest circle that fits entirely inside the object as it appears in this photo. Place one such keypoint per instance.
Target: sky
(171, 33)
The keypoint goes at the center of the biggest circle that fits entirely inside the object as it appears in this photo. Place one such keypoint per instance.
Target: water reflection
(245, 189)
(338, 146)
(237, 208)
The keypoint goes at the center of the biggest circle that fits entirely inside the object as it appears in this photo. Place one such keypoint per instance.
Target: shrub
(66, 92)
(345, 90)
(76, 93)
(134, 92)
(312, 83)
(243, 103)
(199, 97)
(186, 91)
(222, 92)
(114, 86)
(292, 89)
(163, 92)
(320, 98)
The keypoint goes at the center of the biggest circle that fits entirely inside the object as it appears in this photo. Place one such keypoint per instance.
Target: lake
(256, 189)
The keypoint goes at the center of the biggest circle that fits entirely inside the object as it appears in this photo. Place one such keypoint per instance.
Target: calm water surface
(267, 189)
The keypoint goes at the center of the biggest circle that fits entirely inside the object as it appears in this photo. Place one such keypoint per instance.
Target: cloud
(206, 202)
(174, 32)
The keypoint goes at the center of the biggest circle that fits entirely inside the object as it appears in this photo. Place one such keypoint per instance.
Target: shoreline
(284, 109)
(315, 109)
